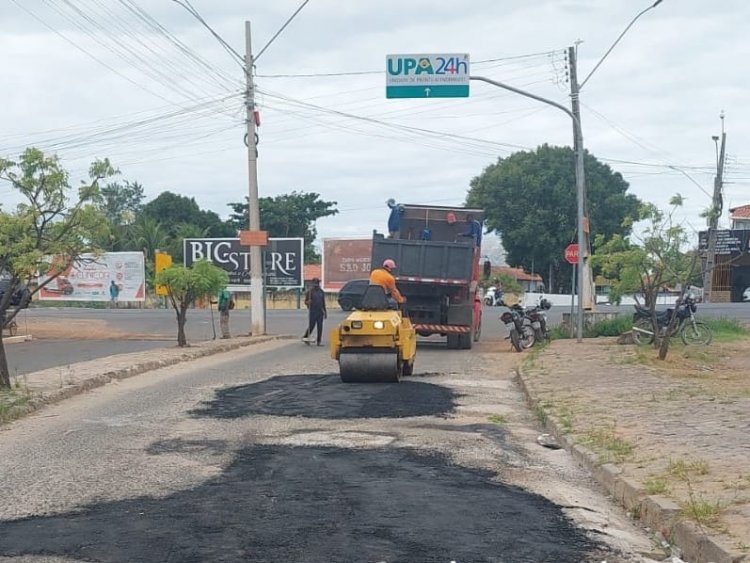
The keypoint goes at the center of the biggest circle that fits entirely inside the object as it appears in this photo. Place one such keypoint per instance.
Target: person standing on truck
(315, 301)
(384, 278)
(394, 219)
(474, 231)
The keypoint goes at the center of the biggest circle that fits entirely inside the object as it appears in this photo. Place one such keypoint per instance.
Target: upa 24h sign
(283, 260)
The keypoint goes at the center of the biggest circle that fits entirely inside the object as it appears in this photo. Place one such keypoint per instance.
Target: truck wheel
(466, 340)
(454, 341)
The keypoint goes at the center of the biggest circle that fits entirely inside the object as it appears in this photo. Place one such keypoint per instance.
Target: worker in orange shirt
(384, 278)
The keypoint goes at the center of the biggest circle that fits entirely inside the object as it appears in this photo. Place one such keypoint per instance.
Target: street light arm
(654, 5)
(527, 94)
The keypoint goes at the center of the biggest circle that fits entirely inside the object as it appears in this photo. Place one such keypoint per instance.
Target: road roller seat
(375, 299)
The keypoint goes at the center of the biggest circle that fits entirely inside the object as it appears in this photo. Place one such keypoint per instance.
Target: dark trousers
(316, 321)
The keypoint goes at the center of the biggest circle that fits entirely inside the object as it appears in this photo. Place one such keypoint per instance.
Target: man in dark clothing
(315, 301)
(394, 217)
(474, 231)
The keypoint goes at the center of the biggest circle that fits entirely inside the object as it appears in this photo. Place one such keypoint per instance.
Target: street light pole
(257, 303)
(580, 182)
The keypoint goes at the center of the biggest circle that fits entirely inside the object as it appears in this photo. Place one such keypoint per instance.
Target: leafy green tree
(288, 215)
(52, 222)
(172, 210)
(650, 263)
(530, 201)
(186, 285)
(121, 205)
(176, 247)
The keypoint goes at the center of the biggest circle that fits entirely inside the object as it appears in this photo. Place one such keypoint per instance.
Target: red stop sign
(571, 254)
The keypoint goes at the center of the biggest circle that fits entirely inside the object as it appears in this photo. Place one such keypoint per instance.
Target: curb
(656, 512)
(41, 398)
(14, 339)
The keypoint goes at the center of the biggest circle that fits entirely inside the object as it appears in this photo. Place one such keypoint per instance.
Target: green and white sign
(427, 76)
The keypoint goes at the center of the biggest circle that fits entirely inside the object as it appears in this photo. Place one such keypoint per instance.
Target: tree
(172, 210)
(48, 231)
(186, 285)
(121, 205)
(288, 215)
(651, 263)
(529, 199)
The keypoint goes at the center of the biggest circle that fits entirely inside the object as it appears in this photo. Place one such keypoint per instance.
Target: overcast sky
(141, 82)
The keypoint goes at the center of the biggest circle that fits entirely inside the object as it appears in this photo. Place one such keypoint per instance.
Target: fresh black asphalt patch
(316, 504)
(326, 397)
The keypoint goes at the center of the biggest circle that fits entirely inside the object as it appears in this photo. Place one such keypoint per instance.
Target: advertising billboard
(345, 260)
(283, 260)
(89, 278)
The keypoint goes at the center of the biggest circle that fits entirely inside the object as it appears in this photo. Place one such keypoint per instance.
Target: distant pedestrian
(474, 230)
(315, 301)
(394, 219)
(114, 293)
(225, 304)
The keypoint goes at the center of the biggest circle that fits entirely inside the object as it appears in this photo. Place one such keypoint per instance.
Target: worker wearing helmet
(384, 278)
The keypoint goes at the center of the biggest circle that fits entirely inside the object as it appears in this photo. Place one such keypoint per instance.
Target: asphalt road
(262, 454)
(158, 328)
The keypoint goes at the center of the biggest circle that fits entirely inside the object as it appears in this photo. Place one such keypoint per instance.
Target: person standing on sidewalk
(315, 301)
(225, 304)
(114, 293)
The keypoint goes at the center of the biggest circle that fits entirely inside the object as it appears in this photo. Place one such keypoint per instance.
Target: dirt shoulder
(670, 438)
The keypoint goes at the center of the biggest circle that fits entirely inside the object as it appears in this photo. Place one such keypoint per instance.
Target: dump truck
(438, 271)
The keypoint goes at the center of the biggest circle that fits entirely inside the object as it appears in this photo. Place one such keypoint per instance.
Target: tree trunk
(181, 320)
(4, 371)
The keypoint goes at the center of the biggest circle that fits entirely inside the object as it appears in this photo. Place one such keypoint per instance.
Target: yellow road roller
(376, 343)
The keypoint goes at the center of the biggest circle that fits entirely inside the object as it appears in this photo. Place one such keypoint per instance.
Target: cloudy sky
(143, 83)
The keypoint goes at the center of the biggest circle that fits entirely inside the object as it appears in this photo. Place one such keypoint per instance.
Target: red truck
(438, 271)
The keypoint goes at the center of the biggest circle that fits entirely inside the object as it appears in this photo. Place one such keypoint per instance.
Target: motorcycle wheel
(515, 340)
(527, 337)
(488, 301)
(696, 333)
(646, 337)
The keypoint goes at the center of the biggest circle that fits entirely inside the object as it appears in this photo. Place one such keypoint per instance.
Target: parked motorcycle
(493, 297)
(521, 334)
(691, 331)
(537, 317)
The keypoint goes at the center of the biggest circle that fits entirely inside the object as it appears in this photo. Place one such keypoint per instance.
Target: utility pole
(584, 275)
(717, 205)
(257, 303)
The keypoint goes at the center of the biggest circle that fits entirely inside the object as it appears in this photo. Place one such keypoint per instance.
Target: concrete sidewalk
(669, 441)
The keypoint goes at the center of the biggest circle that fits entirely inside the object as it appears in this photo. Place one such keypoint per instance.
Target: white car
(746, 294)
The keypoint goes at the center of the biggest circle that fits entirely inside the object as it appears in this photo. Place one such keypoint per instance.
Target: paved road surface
(262, 454)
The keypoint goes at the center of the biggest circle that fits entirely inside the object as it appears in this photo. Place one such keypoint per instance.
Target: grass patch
(683, 470)
(11, 402)
(567, 418)
(606, 441)
(541, 414)
(606, 327)
(498, 419)
(727, 329)
(701, 511)
(656, 486)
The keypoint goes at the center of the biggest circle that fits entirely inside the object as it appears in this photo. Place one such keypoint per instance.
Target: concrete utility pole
(717, 205)
(257, 302)
(585, 292)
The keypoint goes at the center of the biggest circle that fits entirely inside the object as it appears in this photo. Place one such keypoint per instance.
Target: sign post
(571, 257)
(427, 76)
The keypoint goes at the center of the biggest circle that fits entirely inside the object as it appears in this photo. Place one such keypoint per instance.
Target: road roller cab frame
(375, 344)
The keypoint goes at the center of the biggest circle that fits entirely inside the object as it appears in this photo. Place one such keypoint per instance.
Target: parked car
(22, 295)
(746, 294)
(350, 296)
